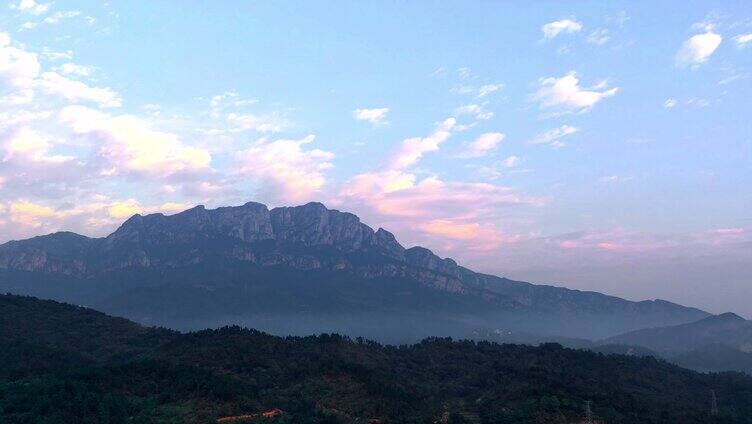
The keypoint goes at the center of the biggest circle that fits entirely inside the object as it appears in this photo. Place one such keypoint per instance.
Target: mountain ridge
(314, 242)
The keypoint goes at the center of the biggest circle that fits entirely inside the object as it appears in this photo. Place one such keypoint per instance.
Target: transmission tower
(713, 404)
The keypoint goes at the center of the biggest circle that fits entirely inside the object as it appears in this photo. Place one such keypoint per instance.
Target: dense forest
(68, 364)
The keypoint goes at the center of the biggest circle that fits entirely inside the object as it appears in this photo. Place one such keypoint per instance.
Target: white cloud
(286, 170)
(226, 100)
(599, 36)
(267, 123)
(28, 145)
(128, 144)
(73, 69)
(552, 29)
(698, 48)
(412, 149)
(75, 91)
(49, 54)
(487, 89)
(53, 19)
(566, 92)
(375, 116)
(18, 68)
(59, 16)
(476, 110)
(669, 103)
(699, 102)
(553, 137)
(743, 39)
(511, 161)
(482, 145)
(30, 6)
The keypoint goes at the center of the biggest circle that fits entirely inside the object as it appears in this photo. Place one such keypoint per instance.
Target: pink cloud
(452, 213)
(288, 171)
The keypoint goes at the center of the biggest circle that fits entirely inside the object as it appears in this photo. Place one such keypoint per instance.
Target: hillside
(201, 376)
(719, 342)
(302, 270)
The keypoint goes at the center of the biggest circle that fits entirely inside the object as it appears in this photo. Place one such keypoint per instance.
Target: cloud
(286, 170)
(699, 102)
(374, 116)
(173, 207)
(412, 149)
(487, 89)
(511, 161)
(553, 29)
(59, 16)
(53, 19)
(565, 92)
(268, 123)
(482, 145)
(553, 137)
(698, 49)
(73, 69)
(599, 37)
(397, 194)
(456, 214)
(28, 145)
(31, 7)
(75, 91)
(30, 165)
(743, 39)
(94, 214)
(669, 103)
(129, 145)
(30, 214)
(18, 68)
(228, 99)
(125, 209)
(478, 111)
(55, 55)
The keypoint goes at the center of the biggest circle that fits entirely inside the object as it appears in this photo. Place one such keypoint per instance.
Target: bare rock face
(250, 222)
(63, 253)
(315, 225)
(424, 258)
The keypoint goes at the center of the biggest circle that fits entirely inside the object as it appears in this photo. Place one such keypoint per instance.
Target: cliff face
(310, 225)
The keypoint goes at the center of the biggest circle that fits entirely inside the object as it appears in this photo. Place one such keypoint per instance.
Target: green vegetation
(64, 364)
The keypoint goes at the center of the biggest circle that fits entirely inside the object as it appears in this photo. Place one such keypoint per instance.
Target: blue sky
(598, 145)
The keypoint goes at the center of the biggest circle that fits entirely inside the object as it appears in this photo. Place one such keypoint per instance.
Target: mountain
(725, 329)
(718, 342)
(302, 270)
(90, 367)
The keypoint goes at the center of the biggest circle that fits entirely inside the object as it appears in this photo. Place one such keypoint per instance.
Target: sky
(596, 145)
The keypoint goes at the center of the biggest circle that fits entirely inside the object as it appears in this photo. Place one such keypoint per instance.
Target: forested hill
(66, 364)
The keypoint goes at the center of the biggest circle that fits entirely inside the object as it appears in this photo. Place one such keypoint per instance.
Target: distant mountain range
(716, 343)
(303, 270)
(68, 364)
